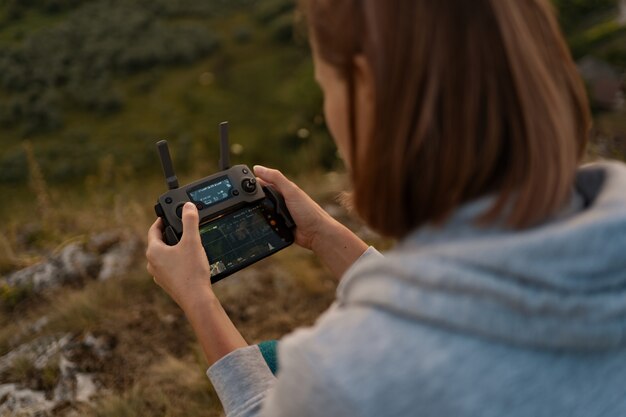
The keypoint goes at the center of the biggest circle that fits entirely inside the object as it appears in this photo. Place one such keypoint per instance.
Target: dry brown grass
(171, 387)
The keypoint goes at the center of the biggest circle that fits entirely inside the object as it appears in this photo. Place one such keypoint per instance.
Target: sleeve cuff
(369, 252)
(240, 378)
(268, 350)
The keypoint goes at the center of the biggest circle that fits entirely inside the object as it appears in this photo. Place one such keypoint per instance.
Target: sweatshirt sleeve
(241, 380)
(305, 386)
(247, 387)
(370, 252)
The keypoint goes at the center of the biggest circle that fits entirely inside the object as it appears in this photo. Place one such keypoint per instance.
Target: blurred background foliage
(592, 28)
(91, 82)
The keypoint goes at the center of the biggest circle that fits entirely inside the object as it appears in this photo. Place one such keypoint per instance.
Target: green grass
(263, 85)
(597, 36)
(31, 21)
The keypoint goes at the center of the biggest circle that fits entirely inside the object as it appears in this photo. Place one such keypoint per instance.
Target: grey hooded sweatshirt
(464, 321)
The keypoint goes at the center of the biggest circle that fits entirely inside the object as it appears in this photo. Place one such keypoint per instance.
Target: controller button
(249, 185)
(168, 200)
(245, 171)
(199, 206)
(179, 211)
(235, 192)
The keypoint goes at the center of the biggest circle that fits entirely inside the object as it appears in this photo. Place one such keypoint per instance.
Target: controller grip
(169, 236)
(281, 207)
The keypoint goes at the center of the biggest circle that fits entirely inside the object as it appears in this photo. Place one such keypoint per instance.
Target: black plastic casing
(272, 204)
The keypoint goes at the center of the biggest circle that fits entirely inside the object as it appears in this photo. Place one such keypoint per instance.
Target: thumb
(274, 177)
(191, 220)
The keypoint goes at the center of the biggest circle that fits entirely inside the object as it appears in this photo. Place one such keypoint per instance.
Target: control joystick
(249, 185)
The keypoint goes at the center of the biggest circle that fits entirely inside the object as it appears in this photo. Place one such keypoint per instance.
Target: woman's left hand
(182, 270)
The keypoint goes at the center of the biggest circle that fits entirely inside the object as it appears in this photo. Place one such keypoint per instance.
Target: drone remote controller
(240, 221)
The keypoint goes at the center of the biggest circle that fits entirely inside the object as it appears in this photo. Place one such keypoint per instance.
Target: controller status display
(240, 238)
(213, 192)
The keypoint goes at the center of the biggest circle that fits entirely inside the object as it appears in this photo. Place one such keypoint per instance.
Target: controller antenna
(224, 147)
(166, 163)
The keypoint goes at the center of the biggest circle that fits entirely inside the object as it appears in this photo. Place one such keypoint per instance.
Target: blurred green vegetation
(592, 28)
(574, 13)
(98, 82)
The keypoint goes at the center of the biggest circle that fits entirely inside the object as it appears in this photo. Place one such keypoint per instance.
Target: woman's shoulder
(370, 362)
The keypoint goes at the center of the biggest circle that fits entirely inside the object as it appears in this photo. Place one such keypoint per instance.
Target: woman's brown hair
(471, 98)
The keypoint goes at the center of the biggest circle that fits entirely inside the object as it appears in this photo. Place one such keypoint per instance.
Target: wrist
(198, 300)
(337, 247)
(326, 234)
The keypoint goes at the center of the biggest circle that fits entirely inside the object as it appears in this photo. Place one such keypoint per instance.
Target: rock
(65, 390)
(18, 402)
(106, 255)
(36, 277)
(102, 242)
(73, 385)
(77, 263)
(85, 387)
(101, 345)
(39, 352)
(71, 265)
(29, 329)
(119, 259)
(38, 324)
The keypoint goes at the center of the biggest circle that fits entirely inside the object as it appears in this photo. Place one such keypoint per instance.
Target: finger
(191, 220)
(275, 177)
(262, 182)
(151, 271)
(155, 233)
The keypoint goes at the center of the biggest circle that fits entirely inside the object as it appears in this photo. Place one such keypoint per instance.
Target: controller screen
(212, 192)
(239, 238)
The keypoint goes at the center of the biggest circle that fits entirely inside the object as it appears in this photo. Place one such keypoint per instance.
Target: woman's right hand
(332, 242)
(309, 217)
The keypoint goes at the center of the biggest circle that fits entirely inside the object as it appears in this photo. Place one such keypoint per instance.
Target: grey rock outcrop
(73, 384)
(105, 255)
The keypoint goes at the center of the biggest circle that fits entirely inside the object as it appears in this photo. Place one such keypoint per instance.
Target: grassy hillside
(127, 73)
(593, 28)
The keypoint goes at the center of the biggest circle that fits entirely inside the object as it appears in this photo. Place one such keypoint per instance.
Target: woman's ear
(365, 99)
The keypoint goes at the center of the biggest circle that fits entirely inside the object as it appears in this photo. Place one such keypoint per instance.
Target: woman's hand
(336, 246)
(183, 270)
(311, 220)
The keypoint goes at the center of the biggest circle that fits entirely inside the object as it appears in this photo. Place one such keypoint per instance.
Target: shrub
(96, 44)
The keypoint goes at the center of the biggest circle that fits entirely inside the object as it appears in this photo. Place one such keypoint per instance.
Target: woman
(462, 124)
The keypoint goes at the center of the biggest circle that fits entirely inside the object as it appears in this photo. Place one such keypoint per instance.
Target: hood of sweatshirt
(560, 285)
